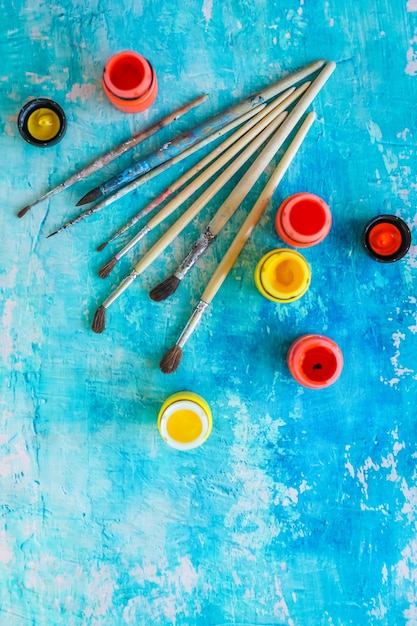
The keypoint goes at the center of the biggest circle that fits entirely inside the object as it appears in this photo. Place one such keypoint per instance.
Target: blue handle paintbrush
(189, 138)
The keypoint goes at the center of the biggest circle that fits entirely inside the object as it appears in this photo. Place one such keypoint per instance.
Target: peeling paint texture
(301, 508)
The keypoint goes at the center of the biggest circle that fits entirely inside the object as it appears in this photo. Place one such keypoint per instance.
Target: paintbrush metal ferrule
(192, 323)
(200, 246)
(126, 282)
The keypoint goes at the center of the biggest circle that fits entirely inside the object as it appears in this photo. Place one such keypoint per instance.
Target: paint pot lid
(386, 238)
(42, 122)
(303, 219)
(184, 424)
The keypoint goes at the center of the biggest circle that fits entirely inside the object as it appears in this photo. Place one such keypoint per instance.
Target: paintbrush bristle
(171, 360)
(102, 246)
(92, 195)
(99, 321)
(23, 211)
(165, 289)
(107, 268)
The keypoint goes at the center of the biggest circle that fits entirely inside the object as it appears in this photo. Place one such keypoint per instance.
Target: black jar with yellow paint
(42, 122)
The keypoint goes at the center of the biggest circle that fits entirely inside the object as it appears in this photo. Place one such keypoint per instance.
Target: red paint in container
(129, 81)
(303, 220)
(386, 238)
(315, 361)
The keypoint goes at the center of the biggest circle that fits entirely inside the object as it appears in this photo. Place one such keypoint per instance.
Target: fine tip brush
(116, 152)
(185, 140)
(168, 237)
(172, 359)
(136, 183)
(228, 150)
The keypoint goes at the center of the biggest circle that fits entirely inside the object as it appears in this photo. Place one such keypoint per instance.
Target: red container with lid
(386, 238)
(129, 82)
(303, 220)
(315, 361)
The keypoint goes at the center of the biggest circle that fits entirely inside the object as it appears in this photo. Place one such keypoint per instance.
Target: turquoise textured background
(300, 509)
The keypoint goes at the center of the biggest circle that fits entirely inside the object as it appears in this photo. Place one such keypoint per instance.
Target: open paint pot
(185, 420)
(129, 81)
(42, 122)
(315, 361)
(303, 220)
(283, 275)
(386, 238)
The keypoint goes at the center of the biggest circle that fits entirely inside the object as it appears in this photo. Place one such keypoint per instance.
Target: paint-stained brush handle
(184, 141)
(256, 212)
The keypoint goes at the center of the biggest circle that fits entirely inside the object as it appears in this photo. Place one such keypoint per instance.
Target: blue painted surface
(300, 509)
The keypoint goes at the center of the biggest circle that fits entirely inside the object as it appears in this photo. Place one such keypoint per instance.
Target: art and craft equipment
(386, 238)
(185, 140)
(260, 132)
(176, 185)
(129, 81)
(116, 152)
(185, 420)
(303, 220)
(315, 361)
(155, 172)
(168, 286)
(283, 275)
(42, 122)
(169, 236)
(170, 362)
(269, 113)
(289, 96)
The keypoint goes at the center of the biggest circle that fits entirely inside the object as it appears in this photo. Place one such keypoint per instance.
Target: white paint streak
(81, 92)
(207, 10)
(411, 6)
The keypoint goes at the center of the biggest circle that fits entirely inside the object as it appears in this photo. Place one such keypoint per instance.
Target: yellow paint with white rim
(185, 420)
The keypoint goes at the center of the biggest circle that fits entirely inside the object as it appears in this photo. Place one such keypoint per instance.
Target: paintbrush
(169, 285)
(288, 96)
(185, 140)
(151, 174)
(116, 152)
(248, 132)
(170, 362)
(169, 236)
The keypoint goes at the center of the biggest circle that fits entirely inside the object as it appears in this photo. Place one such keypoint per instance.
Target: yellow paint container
(185, 420)
(42, 122)
(283, 275)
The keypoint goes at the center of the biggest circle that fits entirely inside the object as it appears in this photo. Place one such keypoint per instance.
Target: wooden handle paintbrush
(286, 99)
(184, 141)
(250, 134)
(170, 362)
(116, 152)
(158, 170)
(169, 236)
(167, 287)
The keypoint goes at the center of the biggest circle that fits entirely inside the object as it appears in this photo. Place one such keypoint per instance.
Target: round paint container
(129, 82)
(42, 122)
(283, 275)
(303, 220)
(386, 238)
(315, 361)
(185, 420)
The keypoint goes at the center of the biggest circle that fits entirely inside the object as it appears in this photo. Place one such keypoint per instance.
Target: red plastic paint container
(315, 361)
(303, 220)
(129, 82)
(386, 238)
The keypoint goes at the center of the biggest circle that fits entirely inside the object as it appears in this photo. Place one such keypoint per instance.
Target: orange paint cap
(129, 82)
(386, 238)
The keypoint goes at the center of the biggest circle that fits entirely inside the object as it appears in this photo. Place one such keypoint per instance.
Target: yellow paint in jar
(43, 124)
(185, 420)
(283, 275)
